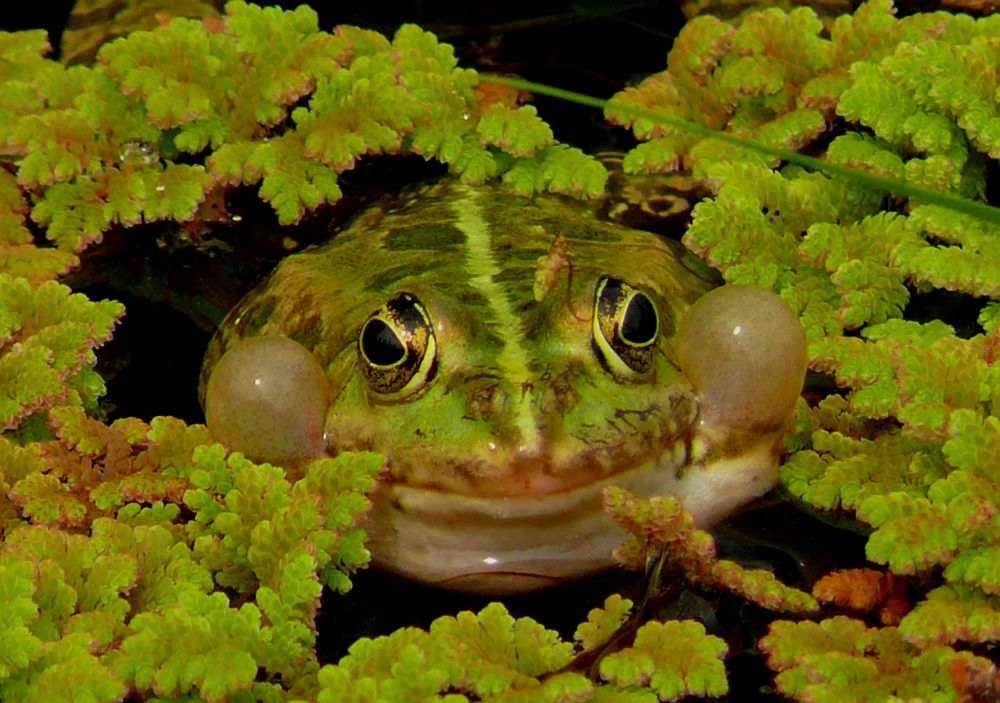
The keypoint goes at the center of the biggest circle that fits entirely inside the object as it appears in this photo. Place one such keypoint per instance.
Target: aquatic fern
(171, 116)
(49, 334)
(99, 556)
(662, 529)
(839, 659)
(492, 656)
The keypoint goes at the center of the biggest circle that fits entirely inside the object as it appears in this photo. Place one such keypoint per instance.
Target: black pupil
(381, 345)
(639, 321)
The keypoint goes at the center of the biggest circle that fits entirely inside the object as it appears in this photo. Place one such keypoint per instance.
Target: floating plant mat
(141, 561)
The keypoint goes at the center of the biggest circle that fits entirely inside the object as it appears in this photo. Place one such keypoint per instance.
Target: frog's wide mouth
(512, 544)
(502, 544)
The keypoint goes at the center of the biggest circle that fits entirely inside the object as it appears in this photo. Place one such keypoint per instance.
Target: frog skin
(510, 358)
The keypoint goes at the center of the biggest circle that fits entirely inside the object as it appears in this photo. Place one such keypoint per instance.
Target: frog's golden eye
(625, 327)
(397, 347)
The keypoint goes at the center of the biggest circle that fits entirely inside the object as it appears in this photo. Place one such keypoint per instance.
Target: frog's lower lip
(512, 544)
(461, 542)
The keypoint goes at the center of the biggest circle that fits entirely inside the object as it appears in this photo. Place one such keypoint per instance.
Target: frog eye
(397, 347)
(625, 327)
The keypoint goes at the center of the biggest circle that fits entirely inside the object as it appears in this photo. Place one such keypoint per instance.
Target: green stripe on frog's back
(482, 269)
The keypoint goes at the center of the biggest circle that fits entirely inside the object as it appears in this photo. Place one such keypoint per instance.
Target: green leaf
(974, 444)
(979, 566)
(912, 534)
(602, 623)
(290, 182)
(839, 659)
(72, 213)
(68, 672)
(558, 169)
(519, 132)
(176, 193)
(201, 644)
(676, 659)
(505, 647)
(481, 654)
(55, 147)
(953, 614)
(17, 611)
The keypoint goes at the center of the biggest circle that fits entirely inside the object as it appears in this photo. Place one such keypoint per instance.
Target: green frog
(510, 358)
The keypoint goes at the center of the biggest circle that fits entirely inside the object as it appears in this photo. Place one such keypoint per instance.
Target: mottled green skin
(465, 431)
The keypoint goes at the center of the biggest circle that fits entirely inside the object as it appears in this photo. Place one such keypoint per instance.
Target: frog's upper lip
(523, 478)
(517, 475)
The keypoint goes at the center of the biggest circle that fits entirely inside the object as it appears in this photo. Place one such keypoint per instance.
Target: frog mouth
(501, 545)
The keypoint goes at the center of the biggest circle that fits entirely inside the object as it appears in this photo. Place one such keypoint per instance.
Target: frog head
(510, 359)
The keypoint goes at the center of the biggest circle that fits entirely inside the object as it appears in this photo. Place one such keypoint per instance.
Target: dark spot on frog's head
(526, 306)
(303, 305)
(257, 314)
(386, 279)
(471, 299)
(590, 232)
(433, 237)
(489, 338)
(308, 331)
(515, 277)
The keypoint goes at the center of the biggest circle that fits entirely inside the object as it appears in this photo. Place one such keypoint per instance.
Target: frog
(510, 357)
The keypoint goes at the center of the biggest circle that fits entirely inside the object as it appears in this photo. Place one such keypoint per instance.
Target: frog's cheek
(744, 352)
(267, 397)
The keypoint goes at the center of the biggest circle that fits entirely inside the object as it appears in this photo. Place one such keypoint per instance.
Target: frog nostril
(482, 400)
